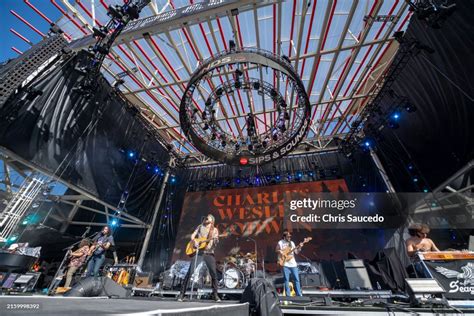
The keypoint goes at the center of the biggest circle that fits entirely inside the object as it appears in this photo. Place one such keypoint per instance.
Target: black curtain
(83, 137)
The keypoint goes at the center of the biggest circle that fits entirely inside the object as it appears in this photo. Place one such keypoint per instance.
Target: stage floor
(46, 305)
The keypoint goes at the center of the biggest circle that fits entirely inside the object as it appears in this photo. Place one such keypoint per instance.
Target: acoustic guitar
(287, 253)
(202, 244)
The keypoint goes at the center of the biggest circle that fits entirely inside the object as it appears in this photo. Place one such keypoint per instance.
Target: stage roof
(340, 49)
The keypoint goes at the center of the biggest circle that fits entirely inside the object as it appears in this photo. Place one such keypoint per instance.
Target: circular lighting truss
(262, 132)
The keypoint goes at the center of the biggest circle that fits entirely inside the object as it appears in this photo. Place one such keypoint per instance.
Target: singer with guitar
(77, 259)
(205, 238)
(286, 250)
(101, 243)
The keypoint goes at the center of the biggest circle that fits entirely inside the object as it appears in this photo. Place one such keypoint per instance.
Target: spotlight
(269, 178)
(238, 72)
(114, 223)
(208, 102)
(156, 170)
(173, 179)
(410, 108)
(244, 161)
(395, 115)
(425, 190)
(219, 92)
(131, 154)
(238, 84)
(273, 93)
(237, 180)
(213, 136)
(415, 179)
(231, 45)
(286, 115)
(206, 126)
(282, 103)
(256, 85)
(12, 238)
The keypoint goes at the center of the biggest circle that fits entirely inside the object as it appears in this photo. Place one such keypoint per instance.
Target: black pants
(210, 262)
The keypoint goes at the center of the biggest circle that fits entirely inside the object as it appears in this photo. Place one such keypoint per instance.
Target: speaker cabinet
(357, 274)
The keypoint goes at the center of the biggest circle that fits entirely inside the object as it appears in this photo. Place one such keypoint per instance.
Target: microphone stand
(338, 281)
(256, 256)
(55, 282)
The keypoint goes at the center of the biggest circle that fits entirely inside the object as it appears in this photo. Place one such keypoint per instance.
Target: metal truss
(34, 178)
(340, 50)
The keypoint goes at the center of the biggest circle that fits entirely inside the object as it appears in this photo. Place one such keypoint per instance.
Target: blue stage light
(114, 222)
(12, 238)
(396, 116)
(156, 170)
(173, 179)
(426, 190)
(415, 179)
(277, 177)
(131, 154)
(237, 180)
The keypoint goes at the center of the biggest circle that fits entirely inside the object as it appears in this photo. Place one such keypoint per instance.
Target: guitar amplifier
(357, 274)
(143, 279)
(310, 280)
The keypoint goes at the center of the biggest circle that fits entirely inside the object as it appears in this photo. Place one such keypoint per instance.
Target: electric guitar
(202, 243)
(287, 253)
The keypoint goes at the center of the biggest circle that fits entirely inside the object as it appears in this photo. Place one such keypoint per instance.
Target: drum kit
(237, 269)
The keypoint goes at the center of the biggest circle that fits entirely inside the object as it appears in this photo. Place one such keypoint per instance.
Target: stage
(46, 305)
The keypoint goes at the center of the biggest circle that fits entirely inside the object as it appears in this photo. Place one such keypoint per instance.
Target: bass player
(289, 266)
(208, 231)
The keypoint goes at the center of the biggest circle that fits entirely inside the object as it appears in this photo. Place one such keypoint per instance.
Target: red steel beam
(337, 128)
(21, 36)
(319, 58)
(80, 27)
(347, 63)
(16, 50)
(27, 23)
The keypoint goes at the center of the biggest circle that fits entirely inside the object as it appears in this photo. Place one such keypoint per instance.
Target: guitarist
(206, 230)
(289, 267)
(101, 243)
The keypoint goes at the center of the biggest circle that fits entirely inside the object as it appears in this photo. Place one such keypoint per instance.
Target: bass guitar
(287, 253)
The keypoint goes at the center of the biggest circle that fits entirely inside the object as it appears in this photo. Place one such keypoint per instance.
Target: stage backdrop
(257, 213)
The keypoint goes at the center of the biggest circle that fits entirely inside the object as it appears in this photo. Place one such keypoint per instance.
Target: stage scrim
(258, 213)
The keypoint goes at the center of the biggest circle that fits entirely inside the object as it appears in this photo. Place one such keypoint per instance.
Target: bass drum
(233, 278)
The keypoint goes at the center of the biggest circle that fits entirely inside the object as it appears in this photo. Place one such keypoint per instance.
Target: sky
(8, 20)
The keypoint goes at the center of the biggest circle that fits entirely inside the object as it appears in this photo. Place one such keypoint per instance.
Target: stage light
(269, 178)
(213, 136)
(231, 45)
(299, 174)
(410, 167)
(426, 190)
(257, 179)
(131, 154)
(311, 174)
(223, 143)
(156, 170)
(243, 160)
(148, 167)
(206, 126)
(410, 108)
(238, 84)
(25, 222)
(219, 92)
(396, 116)
(114, 223)
(415, 179)
(256, 85)
(238, 72)
(12, 238)
(278, 177)
(237, 180)
(173, 179)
